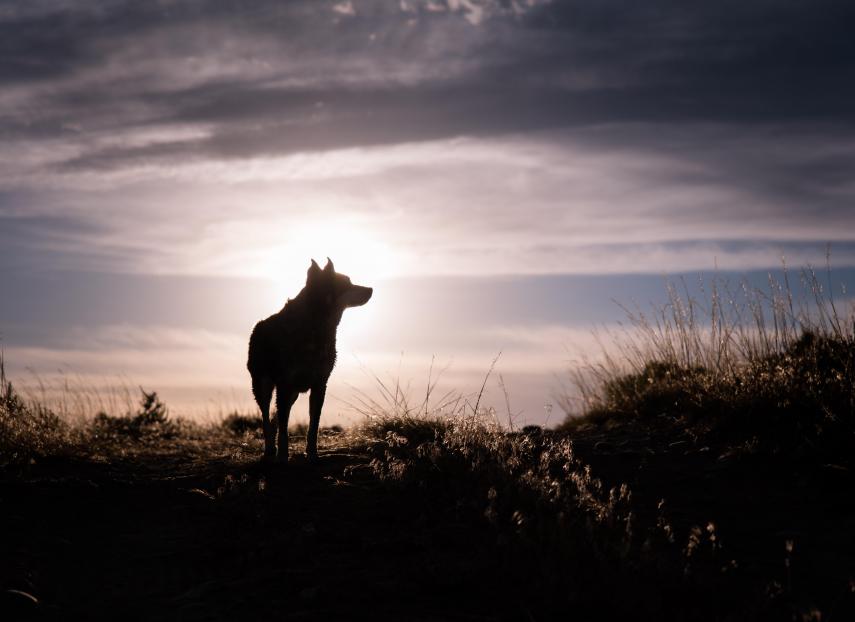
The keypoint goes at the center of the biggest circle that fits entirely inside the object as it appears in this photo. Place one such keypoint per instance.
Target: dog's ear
(329, 267)
(314, 270)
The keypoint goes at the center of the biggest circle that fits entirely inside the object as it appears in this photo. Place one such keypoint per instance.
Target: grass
(705, 472)
(741, 402)
(28, 430)
(762, 369)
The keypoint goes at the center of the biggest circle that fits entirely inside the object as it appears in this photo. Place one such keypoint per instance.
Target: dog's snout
(365, 294)
(356, 296)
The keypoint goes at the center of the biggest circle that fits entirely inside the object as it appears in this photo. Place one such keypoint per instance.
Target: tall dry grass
(768, 363)
(27, 428)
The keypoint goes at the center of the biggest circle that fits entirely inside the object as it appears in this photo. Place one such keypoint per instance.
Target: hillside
(709, 476)
(424, 519)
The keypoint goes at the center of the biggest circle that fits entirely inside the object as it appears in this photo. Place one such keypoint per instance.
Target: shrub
(27, 431)
(151, 420)
(239, 424)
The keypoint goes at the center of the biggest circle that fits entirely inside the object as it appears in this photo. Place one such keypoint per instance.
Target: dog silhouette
(294, 351)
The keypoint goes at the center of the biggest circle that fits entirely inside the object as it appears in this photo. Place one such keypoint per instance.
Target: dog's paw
(312, 458)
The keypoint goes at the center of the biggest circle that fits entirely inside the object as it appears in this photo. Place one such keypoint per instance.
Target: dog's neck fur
(328, 313)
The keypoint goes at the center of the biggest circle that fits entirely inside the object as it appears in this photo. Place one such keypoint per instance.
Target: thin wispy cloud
(596, 200)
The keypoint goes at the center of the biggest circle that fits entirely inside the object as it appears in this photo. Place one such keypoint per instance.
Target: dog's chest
(318, 351)
(310, 359)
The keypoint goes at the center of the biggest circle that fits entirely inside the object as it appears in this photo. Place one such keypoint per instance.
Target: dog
(294, 351)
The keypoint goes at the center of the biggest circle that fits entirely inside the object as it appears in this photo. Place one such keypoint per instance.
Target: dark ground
(203, 531)
(170, 536)
(785, 523)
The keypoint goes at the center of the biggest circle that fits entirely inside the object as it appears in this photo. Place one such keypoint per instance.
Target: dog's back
(293, 347)
(263, 348)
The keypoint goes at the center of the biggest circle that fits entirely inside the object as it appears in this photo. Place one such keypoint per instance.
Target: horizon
(497, 171)
(538, 327)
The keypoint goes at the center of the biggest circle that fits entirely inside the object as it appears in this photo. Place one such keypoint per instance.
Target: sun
(353, 250)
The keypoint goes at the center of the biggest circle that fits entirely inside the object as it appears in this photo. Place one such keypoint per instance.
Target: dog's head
(334, 289)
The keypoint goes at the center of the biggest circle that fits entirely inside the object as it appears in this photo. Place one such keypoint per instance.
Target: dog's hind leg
(262, 389)
(284, 401)
(316, 403)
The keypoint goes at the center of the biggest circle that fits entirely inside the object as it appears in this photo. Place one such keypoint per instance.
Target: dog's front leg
(262, 389)
(269, 435)
(316, 402)
(284, 401)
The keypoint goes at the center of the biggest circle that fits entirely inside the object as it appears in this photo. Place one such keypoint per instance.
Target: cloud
(624, 130)
(426, 73)
(345, 8)
(608, 199)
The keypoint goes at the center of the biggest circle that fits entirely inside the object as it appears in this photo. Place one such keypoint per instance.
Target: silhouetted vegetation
(27, 430)
(799, 400)
(151, 420)
(761, 369)
(749, 395)
(241, 424)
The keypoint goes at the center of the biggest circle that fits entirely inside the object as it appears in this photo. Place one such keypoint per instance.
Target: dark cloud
(709, 113)
(283, 77)
(787, 168)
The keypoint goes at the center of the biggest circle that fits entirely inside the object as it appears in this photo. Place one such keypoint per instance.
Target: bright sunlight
(355, 251)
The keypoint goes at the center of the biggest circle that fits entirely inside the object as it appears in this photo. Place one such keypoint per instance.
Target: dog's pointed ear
(329, 267)
(314, 270)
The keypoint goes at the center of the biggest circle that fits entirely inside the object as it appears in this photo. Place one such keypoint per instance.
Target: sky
(500, 171)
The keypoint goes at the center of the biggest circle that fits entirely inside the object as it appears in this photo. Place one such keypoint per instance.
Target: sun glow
(354, 251)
